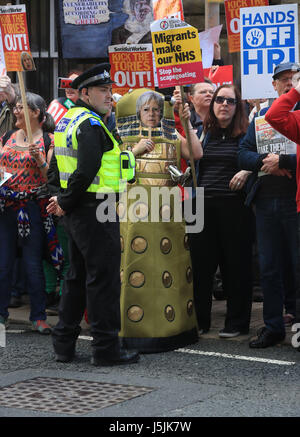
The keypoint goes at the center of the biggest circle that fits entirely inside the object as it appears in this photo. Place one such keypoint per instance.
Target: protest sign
(268, 140)
(57, 110)
(232, 12)
(207, 40)
(178, 61)
(85, 11)
(14, 34)
(86, 28)
(177, 53)
(15, 39)
(131, 67)
(2, 58)
(269, 36)
(167, 8)
(220, 75)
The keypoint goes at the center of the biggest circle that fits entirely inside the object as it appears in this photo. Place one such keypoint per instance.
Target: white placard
(207, 40)
(269, 36)
(2, 59)
(4, 177)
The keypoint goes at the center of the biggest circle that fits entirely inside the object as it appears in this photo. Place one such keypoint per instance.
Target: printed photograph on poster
(269, 36)
(131, 67)
(168, 8)
(15, 40)
(136, 28)
(149, 109)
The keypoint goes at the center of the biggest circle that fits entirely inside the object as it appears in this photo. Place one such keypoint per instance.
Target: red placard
(220, 75)
(57, 110)
(232, 11)
(15, 39)
(131, 67)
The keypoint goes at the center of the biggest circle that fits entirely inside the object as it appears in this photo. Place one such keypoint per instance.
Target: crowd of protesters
(249, 196)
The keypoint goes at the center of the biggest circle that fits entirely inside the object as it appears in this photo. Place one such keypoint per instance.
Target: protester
(227, 235)
(272, 188)
(86, 162)
(52, 276)
(156, 293)
(200, 95)
(286, 121)
(23, 201)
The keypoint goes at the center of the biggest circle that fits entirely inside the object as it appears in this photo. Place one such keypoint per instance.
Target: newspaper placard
(268, 140)
(14, 33)
(269, 36)
(232, 12)
(131, 67)
(177, 53)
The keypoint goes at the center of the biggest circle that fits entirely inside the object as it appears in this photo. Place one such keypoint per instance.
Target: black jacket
(92, 143)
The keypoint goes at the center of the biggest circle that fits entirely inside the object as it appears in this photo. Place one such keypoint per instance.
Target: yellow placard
(176, 46)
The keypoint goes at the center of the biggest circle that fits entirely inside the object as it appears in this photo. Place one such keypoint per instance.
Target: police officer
(87, 161)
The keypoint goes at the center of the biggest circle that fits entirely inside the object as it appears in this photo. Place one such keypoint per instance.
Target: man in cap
(272, 188)
(287, 121)
(87, 161)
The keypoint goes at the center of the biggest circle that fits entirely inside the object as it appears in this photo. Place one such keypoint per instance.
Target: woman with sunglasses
(227, 232)
(23, 201)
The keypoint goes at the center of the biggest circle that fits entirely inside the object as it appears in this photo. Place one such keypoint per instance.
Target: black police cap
(98, 75)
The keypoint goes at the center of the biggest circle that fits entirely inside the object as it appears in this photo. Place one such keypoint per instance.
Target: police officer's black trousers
(92, 282)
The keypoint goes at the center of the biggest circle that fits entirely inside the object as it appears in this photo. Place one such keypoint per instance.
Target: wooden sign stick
(188, 139)
(257, 104)
(25, 107)
(149, 132)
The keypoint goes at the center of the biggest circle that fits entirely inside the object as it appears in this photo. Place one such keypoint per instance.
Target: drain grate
(67, 396)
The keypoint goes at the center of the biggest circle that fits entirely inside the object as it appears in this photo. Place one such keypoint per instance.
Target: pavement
(20, 316)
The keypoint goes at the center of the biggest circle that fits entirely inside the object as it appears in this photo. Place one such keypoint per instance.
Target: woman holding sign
(23, 201)
(156, 293)
(227, 233)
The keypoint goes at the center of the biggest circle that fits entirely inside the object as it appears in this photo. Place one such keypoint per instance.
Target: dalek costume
(157, 304)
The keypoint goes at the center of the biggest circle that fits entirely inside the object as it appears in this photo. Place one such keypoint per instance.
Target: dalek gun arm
(179, 177)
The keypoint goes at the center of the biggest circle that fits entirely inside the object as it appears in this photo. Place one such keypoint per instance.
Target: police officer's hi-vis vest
(116, 167)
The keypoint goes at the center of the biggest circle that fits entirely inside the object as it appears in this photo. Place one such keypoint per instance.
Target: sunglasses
(229, 100)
